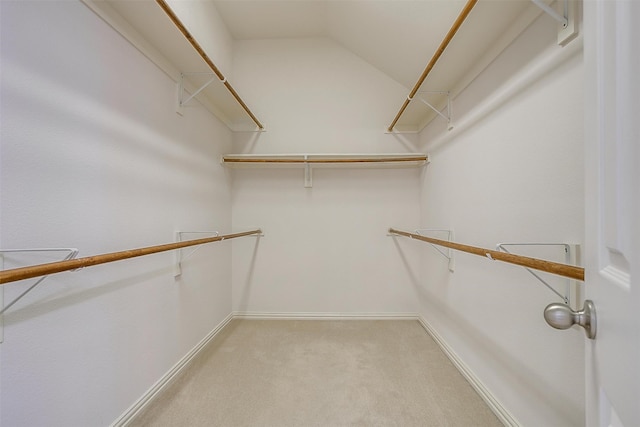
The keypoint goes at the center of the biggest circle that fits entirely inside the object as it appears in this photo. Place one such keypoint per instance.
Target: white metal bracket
(571, 290)
(448, 254)
(567, 21)
(552, 13)
(181, 256)
(182, 101)
(308, 174)
(73, 252)
(446, 116)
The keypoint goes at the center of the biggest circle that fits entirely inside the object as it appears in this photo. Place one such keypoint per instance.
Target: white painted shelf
(395, 160)
(309, 161)
(146, 26)
(474, 47)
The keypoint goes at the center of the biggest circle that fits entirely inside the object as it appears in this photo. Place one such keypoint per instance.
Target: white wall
(94, 157)
(325, 249)
(512, 171)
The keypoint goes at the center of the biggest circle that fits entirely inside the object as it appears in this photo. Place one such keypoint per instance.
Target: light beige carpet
(320, 373)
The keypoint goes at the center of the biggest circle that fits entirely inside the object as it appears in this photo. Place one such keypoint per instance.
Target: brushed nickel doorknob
(561, 316)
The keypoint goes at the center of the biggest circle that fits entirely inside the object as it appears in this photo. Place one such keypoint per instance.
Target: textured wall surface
(325, 249)
(94, 157)
(511, 171)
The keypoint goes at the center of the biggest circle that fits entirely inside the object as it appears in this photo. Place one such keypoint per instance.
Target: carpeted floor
(320, 373)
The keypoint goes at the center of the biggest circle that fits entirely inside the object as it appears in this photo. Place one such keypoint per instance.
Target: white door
(612, 105)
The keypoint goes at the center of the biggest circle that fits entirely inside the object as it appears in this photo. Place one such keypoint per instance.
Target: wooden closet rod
(346, 160)
(564, 270)
(174, 18)
(445, 42)
(29, 272)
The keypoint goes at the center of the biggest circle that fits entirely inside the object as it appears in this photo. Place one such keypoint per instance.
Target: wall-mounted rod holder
(181, 101)
(568, 24)
(72, 253)
(308, 174)
(448, 254)
(563, 20)
(561, 316)
(567, 251)
(180, 256)
(447, 116)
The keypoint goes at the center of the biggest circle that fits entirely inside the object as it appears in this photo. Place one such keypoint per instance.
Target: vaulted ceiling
(396, 36)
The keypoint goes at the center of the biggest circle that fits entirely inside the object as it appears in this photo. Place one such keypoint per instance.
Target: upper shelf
(326, 160)
(462, 57)
(309, 161)
(159, 35)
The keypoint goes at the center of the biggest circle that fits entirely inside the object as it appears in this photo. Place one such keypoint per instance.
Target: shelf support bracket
(447, 116)
(181, 256)
(181, 92)
(448, 254)
(308, 175)
(567, 20)
(73, 252)
(552, 13)
(566, 298)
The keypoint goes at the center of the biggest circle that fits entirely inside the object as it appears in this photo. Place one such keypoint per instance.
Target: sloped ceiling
(396, 36)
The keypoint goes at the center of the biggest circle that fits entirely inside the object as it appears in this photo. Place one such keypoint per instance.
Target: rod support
(563, 20)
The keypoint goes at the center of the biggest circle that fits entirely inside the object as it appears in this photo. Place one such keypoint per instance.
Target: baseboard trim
(494, 404)
(323, 316)
(148, 397)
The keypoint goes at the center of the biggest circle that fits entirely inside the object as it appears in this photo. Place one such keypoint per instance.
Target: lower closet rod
(60, 266)
(564, 270)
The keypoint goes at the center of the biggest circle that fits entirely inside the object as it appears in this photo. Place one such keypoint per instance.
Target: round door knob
(561, 316)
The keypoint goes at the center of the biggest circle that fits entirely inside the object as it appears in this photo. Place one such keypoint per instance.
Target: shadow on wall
(114, 130)
(526, 380)
(413, 277)
(246, 290)
(410, 144)
(15, 316)
(245, 142)
(524, 80)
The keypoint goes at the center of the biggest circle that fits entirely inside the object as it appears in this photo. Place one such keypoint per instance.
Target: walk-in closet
(319, 212)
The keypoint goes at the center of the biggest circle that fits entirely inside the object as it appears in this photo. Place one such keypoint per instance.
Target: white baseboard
(494, 404)
(323, 316)
(148, 397)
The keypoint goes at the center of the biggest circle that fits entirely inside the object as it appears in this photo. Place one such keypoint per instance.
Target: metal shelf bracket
(567, 20)
(180, 253)
(181, 93)
(552, 13)
(569, 255)
(72, 253)
(448, 253)
(183, 254)
(446, 116)
(308, 174)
